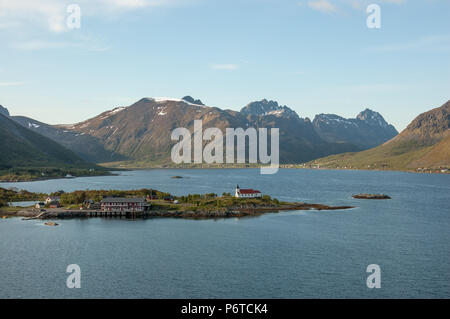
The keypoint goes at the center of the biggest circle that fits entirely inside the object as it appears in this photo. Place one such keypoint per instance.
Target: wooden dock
(111, 214)
(63, 213)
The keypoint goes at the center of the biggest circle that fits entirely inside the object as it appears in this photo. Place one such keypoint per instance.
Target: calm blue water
(22, 204)
(287, 255)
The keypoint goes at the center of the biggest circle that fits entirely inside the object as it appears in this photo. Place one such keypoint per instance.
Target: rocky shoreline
(239, 211)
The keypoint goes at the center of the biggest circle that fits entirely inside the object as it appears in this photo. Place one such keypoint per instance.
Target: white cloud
(225, 67)
(9, 24)
(127, 3)
(100, 49)
(433, 43)
(362, 4)
(322, 6)
(44, 12)
(395, 1)
(39, 45)
(52, 14)
(11, 83)
(334, 6)
(83, 42)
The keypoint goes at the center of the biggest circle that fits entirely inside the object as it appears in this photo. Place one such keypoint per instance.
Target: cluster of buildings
(433, 170)
(51, 201)
(133, 204)
(137, 205)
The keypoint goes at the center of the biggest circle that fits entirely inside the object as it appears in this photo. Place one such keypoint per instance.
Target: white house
(247, 193)
(39, 205)
(51, 199)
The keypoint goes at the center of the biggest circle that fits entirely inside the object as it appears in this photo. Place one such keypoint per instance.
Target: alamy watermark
(374, 279)
(73, 20)
(213, 152)
(74, 279)
(374, 19)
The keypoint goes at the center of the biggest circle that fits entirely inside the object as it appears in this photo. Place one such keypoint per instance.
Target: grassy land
(20, 174)
(210, 202)
(399, 155)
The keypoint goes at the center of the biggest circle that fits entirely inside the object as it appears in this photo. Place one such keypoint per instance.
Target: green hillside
(27, 155)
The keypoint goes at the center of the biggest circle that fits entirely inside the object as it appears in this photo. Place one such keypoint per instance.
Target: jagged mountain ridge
(141, 131)
(367, 130)
(265, 107)
(191, 100)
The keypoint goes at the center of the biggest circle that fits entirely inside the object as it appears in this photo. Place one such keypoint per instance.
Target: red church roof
(249, 191)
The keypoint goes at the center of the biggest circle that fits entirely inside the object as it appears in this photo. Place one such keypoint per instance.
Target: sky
(315, 56)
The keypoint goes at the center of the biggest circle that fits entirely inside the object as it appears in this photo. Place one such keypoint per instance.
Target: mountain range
(424, 145)
(139, 135)
(22, 147)
(367, 130)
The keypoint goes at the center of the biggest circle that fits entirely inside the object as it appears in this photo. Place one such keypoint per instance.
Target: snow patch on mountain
(33, 125)
(112, 112)
(266, 108)
(173, 99)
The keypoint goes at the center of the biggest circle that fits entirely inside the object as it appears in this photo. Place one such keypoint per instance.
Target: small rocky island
(51, 224)
(152, 203)
(371, 196)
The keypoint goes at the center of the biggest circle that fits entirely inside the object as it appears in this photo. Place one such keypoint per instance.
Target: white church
(247, 193)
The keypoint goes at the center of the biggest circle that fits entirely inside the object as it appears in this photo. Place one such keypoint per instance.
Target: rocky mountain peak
(4, 111)
(331, 119)
(367, 130)
(265, 107)
(191, 100)
(430, 126)
(372, 118)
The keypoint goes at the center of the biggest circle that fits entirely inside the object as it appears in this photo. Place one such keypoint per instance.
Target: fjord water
(296, 254)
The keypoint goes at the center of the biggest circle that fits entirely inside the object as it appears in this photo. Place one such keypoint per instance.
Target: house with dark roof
(247, 193)
(39, 205)
(124, 205)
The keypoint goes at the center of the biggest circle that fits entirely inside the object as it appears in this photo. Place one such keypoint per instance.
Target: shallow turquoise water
(286, 255)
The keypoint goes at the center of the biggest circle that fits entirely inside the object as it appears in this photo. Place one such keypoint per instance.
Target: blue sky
(314, 56)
